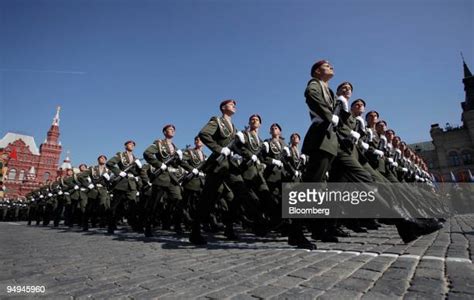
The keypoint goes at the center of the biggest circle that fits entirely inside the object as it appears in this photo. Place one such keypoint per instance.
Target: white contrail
(45, 71)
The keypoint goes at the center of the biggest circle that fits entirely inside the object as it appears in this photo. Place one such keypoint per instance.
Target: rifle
(221, 157)
(116, 179)
(190, 175)
(169, 160)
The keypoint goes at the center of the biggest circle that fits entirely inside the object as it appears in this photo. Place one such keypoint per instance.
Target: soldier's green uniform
(217, 135)
(320, 142)
(193, 162)
(98, 201)
(125, 188)
(165, 183)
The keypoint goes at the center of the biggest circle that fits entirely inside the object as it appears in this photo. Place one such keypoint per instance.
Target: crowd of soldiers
(241, 181)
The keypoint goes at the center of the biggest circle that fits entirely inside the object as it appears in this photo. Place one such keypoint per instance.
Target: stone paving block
(412, 295)
(299, 293)
(354, 284)
(387, 287)
(428, 286)
(339, 294)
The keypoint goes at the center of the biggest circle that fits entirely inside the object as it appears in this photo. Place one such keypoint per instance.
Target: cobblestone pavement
(374, 265)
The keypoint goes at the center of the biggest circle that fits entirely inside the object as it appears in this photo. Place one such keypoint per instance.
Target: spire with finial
(468, 81)
(67, 162)
(56, 117)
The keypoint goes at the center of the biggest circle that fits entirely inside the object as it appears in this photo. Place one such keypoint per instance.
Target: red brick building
(33, 166)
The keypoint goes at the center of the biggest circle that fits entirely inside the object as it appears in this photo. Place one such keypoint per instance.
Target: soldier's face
(169, 132)
(102, 160)
(345, 91)
(372, 119)
(229, 109)
(254, 123)
(82, 168)
(275, 131)
(396, 142)
(69, 172)
(389, 135)
(130, 147)
(358, 108)
(325, 71)
(198, 143)
(380, 127)
(295, 140)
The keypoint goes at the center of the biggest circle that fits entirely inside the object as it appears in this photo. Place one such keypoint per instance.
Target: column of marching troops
(240, 182)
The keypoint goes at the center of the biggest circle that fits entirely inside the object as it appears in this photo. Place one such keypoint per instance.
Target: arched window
(12, 174)
(21, 177)
(46, 176)
(466, 157)
(454, 159)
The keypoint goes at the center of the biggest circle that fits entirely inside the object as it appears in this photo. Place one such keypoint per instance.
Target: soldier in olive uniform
(320, 142)
(296, 160)
(193, 162)
(98, 201)
(63, 198)
(125, 186)
(164, 156)
(219, 135)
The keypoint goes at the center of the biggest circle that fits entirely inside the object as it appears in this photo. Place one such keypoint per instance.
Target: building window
(12, 174)
(46, 176)
(466, 157)
(21, 177)
(454, 159)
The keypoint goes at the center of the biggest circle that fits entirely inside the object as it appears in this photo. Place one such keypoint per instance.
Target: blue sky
(123, 69)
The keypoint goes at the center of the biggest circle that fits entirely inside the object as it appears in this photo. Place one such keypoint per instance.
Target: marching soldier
(98, 201)
(64, 199)
(193, 162)
(164, 156)
(126, 168)
(219, 135)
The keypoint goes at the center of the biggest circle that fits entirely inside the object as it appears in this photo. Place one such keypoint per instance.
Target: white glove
(335, 120)
(90, 186)
(303, 158)
(287, 151)
(277, 163)
(297, 173)
(195, 171)
(225, 151)
(254, 158)
(361, 120)
(405, 170)
(89, 179)
(364, 146)
(149, 183)
(138, 163)
(50, 195)
(163, 167)
(345, 105)
(180, 154)
(379, 153)
(76, 187)
(395, 164)
(201, 174)
(123, 174)
(241, 137)
(390, 160)
(417, 177)
(138, 194)
(60, 193)
(106, 176)
(355, 135)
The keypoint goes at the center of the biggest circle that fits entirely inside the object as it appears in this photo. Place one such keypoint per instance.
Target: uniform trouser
(32, 213)
(48, 213)
(58, 211)
(190, 202)
(39, 213)
(91, 211)
(173, 206)
(318, 164)
(209, 197)
(123, 205)
(346, 168)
